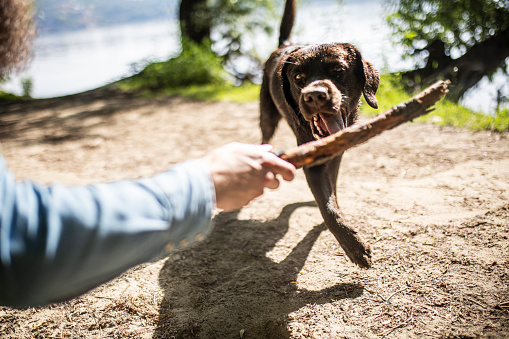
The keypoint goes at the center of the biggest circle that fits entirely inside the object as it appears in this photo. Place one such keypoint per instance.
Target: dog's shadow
(226, 287)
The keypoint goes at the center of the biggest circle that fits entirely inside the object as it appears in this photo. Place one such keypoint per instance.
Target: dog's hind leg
(323, 187)
(269, 115)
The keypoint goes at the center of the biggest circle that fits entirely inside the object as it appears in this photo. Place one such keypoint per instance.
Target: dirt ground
(433, 202)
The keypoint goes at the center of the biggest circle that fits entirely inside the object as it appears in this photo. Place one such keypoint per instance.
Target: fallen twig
(504, 304)
(319, 151)
(398, 291)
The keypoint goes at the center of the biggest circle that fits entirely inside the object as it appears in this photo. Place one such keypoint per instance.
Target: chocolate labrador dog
(317, 89)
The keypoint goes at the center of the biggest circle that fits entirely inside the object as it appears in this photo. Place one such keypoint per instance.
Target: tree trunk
(193, 22)
(480, 60)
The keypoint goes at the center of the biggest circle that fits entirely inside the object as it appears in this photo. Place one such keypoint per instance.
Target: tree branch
(319, 151)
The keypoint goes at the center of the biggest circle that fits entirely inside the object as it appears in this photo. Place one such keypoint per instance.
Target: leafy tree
(224, 23)
(195, 20)
(212, 41)
(462, 40)
(195, 65)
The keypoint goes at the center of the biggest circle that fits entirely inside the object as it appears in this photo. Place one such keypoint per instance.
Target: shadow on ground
(227, 285)
(72, 117)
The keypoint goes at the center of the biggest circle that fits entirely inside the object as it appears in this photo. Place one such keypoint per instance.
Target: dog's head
(325, 82)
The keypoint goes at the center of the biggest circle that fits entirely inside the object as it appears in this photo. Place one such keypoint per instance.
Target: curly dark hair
(17, 31)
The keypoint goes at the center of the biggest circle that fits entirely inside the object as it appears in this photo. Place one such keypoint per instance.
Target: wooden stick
(319, 151)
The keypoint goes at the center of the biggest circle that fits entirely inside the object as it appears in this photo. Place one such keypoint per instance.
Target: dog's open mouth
(325, 124)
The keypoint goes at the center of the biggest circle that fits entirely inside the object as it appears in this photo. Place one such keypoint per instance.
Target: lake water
(71, 62)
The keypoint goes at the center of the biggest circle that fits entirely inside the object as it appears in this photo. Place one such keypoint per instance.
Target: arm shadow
(227, 283)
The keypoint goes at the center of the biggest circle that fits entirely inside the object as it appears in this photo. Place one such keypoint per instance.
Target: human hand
(241, 172)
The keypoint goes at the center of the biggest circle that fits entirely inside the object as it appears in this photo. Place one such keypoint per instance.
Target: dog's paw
(355, 248)
(360, 254)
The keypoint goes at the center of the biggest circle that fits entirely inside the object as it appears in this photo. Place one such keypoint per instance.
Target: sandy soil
(433, 202)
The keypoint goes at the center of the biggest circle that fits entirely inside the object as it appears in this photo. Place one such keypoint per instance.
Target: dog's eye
(338, 69)
(299, 76)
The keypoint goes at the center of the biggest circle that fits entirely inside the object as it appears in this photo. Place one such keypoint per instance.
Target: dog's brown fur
(317, 89)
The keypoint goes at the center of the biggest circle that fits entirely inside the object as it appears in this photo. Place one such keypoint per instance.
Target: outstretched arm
(58, 242)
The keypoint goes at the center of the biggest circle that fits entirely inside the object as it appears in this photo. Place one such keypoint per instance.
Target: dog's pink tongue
(334, 123)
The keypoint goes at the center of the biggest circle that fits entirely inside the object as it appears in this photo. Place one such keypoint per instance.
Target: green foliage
(27, 85)
(235, 24)
(6, 96)
(233, 19)
(247, 92)
(460, 24)
(451, 114)
(196, 65)
(391, 92)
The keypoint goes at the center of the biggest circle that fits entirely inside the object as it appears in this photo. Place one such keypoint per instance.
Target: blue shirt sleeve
(58, 242)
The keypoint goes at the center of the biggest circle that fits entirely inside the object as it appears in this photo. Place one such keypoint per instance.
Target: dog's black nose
(316, 95)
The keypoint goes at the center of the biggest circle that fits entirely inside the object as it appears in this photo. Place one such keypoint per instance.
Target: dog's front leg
(322, 181)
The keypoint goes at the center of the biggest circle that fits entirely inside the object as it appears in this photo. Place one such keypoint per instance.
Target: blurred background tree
(461, 40)
(225, 26)
(224, 30)
(218, 45)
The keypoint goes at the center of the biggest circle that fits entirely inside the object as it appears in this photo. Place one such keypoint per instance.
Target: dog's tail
(287, 23)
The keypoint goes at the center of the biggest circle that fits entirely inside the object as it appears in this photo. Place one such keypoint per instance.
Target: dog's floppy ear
(282, 72)
(370, 80)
